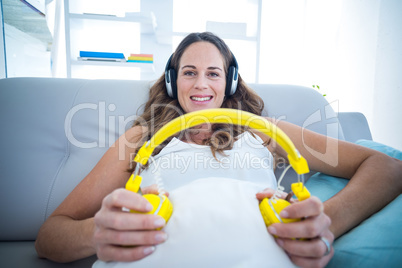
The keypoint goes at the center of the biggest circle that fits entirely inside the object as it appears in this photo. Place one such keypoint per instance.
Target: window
(26, 43)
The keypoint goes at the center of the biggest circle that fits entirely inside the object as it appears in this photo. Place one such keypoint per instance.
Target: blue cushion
(377, 241)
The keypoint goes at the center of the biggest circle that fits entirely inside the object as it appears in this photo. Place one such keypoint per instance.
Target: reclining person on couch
(91, 221)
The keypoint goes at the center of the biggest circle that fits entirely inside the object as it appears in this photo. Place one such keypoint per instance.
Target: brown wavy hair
(161, 109)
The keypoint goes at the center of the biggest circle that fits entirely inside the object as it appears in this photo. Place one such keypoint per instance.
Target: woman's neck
(198, 134)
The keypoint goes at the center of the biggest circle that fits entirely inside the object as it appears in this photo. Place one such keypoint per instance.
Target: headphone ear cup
(173, 83)
(170, 80)
(231, 81)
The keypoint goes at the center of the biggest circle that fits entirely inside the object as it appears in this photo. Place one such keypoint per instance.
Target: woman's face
(201, 78)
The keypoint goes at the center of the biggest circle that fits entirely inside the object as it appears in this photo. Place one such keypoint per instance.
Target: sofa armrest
(354, 126)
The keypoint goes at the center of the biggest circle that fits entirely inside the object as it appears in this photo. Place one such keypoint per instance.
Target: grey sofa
(53, 131)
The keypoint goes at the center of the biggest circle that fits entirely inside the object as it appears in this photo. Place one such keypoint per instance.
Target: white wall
(386, 120)
(351, 48)
(368, 57)
(352, 80)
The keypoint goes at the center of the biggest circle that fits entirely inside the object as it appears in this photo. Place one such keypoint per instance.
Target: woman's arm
(71, 232)
(375, 178)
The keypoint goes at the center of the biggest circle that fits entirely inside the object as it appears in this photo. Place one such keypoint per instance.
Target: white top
(216, 221)
(180, 163)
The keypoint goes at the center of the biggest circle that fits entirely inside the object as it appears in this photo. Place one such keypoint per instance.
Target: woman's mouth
(201, 99)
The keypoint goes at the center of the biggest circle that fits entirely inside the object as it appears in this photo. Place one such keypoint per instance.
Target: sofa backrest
(55, 130)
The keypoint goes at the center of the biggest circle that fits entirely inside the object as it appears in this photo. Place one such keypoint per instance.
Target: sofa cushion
(54, 131)
(302, 106)
(376, 242)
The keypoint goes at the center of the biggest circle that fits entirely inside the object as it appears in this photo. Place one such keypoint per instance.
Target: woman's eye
(189, 73)
(214, 74)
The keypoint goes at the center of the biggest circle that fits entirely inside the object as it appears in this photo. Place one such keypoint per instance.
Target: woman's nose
(201, 82)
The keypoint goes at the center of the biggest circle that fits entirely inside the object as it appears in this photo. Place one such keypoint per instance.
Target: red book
(142, 55)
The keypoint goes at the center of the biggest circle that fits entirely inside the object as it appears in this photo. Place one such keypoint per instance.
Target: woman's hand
(312, 251)
(124, 236)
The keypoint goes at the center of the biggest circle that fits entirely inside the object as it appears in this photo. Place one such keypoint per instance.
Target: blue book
(93, 54)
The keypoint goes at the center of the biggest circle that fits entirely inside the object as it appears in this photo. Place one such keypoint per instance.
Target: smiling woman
(201, 74)
(201, 86)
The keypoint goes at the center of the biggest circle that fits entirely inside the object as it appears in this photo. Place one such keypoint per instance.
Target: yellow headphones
(270, 208)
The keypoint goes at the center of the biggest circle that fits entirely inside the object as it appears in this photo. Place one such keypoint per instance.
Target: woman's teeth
(201, 99)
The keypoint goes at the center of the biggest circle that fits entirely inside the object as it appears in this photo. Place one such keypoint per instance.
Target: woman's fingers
(312, 206)
(129, 238)
(123, 198)
(124, 236)
(314, 252)
(313, 248)
(268, 193)
(123, 254)
(111, 215)
(307, 228)
(311, 262)
(120, 220)
(152, 189)
(313, 222)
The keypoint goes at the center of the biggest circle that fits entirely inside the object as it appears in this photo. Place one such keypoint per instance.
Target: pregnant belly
(216, 222)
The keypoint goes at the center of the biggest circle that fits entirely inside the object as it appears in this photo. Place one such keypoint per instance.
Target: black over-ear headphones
(232, 78)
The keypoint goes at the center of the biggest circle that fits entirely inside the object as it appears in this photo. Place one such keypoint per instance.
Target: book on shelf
(140, 61)
(141, 58)
(101, 59)
(142, 55)
(114, 57)
(101, 55)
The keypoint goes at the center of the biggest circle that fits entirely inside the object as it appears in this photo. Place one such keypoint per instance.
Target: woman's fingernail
(159, 222)
(149, 207)
(279, 242)
(284, 214)
(159, 237)
(272, 230)
(149, 250)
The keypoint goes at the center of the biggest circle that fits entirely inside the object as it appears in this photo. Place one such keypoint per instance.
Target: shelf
(97, 32)
(147, 20)
(164, 35)
(144, 66)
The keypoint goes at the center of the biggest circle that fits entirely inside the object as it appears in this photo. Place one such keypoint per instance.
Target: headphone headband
(225, 116)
